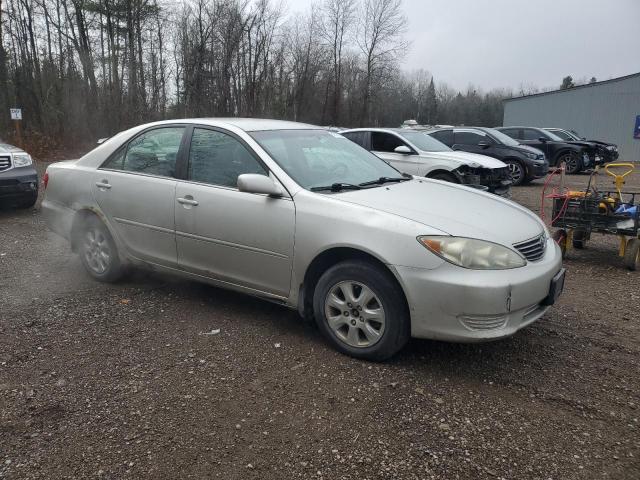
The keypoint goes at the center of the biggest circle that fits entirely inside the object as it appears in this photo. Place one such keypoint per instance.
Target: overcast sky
(506, 43)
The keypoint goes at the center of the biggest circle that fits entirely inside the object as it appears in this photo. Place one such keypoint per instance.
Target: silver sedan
(304, 217)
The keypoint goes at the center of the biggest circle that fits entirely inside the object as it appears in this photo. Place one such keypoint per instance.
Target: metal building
(608, 111)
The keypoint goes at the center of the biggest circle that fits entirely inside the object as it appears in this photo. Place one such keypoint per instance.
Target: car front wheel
(517, 171)
(98, 252)
(571, 161)
(361, 310)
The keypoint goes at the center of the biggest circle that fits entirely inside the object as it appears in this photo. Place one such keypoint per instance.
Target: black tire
(632, 254)
(579, 239)
(381, 283)
(560, 237)
(92, 257)
(517, 171)
(445, 177)
(27, 202)
(572, 162)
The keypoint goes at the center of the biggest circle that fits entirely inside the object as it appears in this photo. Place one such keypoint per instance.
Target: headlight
(532, 156)
(472, 253)
(612, 148)
(22, 160)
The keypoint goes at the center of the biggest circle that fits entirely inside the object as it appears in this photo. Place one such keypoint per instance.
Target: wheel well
(322, 263)
(79, 219)
(449, 174)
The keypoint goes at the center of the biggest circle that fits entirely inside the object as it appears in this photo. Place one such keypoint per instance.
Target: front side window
(315, 158)
(357, 137)
(153, 153)
(444, 136)
(531, 134)
(512, 132)
(217, 158)
(385, 142)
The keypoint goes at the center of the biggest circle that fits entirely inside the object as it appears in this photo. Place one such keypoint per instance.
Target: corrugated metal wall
(603, 111)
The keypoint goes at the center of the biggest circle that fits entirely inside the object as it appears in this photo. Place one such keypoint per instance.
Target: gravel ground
(131, 381)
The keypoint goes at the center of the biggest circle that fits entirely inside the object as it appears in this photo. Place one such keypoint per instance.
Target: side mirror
(583, 138)
(255, 183)
(403, 149)
(542, 139)
(483, 144)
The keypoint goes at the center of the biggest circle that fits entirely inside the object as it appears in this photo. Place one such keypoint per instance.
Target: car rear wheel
(571, 161)
(98, 252)
(361, 310)
(517, 171)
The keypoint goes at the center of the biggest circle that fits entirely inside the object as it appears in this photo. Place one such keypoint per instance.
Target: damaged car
(305, 218)
(525, 163)
(415, 153)
(608, 152)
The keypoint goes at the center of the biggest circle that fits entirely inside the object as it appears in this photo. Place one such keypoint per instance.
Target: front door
(236, 237)
(383, 145)
(135, 188)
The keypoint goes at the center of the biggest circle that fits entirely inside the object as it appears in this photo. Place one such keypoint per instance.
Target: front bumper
(19, 182)
(538, 170)
(456, 304)
(496, 180)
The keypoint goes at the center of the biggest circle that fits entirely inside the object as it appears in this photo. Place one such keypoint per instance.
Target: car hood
(465, 158)
(455, 209)
(528, 148)
(6, 148)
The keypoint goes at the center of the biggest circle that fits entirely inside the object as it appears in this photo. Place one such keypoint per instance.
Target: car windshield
(425, 142)
(317, 158)
(554, 137)
(501, 137)
(570, 135)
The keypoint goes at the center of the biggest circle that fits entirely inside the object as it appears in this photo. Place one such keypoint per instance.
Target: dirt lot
(119, 381)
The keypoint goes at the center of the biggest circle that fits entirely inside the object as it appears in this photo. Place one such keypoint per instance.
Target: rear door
(240, 238)
(135, 188)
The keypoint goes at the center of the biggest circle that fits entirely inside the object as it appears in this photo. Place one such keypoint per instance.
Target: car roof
(246, 124)
(382, 129)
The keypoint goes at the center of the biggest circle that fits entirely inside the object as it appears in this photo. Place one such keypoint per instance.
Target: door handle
(187, 200)
(103, 184)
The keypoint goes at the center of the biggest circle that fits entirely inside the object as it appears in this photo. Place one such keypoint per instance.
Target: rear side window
(445, 136)
(468, 138)
(385, 142)
(217, 158)
(153, 153)
(358, 137)
(513, 133)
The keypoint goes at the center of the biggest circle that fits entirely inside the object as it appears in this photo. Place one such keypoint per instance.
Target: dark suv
(608, 152)
(525, 163)
(576, 155)
(18, 177)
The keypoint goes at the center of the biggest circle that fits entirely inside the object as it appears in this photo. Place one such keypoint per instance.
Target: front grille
(5, 163)
(532, 249)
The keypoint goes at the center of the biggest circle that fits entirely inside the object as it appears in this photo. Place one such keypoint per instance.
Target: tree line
(84, 69)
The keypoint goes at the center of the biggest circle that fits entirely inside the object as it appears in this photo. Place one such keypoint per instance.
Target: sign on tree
(16, 113)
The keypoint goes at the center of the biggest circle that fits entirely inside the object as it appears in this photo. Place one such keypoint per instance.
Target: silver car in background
(304, 217)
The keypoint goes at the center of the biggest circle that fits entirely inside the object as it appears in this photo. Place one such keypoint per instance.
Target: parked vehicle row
(307, 218)
(576, 155)
(414, 153)
(18, 177)
(524, 163)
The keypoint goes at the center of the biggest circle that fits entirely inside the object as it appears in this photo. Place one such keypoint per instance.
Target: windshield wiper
(383, 180)
(337, 187)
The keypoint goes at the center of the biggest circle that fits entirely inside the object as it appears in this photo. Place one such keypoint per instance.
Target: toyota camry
(304, 217)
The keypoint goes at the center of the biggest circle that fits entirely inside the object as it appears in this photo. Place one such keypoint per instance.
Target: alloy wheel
(96, 251)
(571, 162)
(354, 314)
(516, 171)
